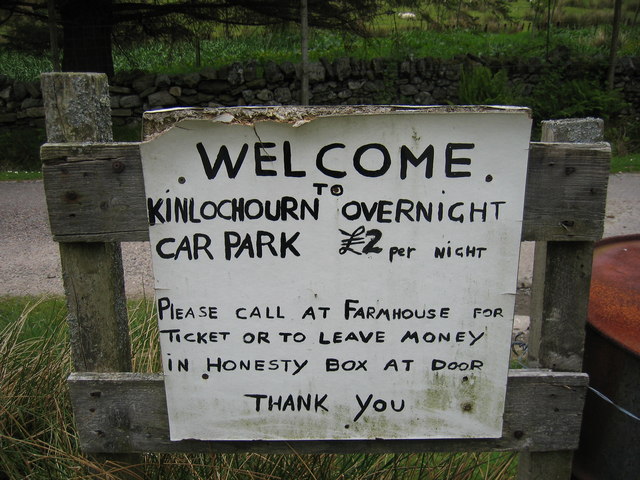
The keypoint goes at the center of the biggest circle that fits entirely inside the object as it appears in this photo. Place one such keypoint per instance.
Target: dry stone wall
(421, 81)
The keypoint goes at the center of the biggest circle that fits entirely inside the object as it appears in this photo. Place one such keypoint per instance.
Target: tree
(88, 26)
(86, 38)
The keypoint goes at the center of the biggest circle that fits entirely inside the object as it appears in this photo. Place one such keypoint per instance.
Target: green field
(284, 45)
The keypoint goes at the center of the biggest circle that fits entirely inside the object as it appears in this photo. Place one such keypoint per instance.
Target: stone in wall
(250, 71)
(265, 95)
(130, 101)
(189, 80)
(282, 95)
(317, 72)
(143, 83)
(213, 86)
(19, 91)
(162, 81)
(5, 93)
(162, 99)
(342, 68)
(8, 118)
(236, 74)
(408, 90)
(272, 72)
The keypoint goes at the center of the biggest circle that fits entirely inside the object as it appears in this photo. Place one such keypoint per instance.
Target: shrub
(480, 86)
(555, 98)
(20, 148)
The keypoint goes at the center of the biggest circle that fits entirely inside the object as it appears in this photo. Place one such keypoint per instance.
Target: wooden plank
(565, 195)
(95, 193)
(127, 413)
(556, 339)
(55, 153)
(545, 465)
(98, 325)
(566, 191)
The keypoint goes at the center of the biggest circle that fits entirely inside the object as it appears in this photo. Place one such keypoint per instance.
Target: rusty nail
(569, 170)
(117, 166)
(467, 407)
(518, 434)
(567, 223)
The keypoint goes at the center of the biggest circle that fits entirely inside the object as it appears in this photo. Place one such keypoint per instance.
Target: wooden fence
(96, 200)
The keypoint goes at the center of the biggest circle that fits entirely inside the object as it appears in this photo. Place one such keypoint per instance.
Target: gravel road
(29, 259)
(29, 262)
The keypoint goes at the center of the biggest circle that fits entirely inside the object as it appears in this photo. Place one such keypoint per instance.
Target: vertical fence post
(77, 109)
(559, 303)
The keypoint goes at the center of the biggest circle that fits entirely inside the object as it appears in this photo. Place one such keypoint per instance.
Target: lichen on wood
(78, 107)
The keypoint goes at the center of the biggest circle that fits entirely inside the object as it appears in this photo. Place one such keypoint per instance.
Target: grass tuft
(625, 163)
(38, 440)
(15, 175)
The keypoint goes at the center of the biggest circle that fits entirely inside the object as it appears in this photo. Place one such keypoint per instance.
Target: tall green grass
(38, 440)
(280, 46)
(35, 418)
(22, 66)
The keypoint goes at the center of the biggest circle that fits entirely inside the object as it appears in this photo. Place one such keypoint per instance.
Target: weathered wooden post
(78, 110)
(560, 292)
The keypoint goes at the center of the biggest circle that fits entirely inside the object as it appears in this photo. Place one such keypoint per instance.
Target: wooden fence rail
(565, 195)
(128, 413)
(96, 199)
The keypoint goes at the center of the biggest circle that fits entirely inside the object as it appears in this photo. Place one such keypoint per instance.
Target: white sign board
(351, 277)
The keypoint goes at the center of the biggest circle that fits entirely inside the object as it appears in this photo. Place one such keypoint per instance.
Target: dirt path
(29, 262)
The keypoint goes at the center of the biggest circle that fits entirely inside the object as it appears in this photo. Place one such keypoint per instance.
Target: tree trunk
(87, 30)
(53, 35)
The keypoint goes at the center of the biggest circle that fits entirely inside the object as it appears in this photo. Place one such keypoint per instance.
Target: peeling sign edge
(157, 122)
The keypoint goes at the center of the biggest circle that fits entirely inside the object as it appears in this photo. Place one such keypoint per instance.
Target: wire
(608, 400)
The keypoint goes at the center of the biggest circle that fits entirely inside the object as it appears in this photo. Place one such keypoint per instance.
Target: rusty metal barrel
(610, 438)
